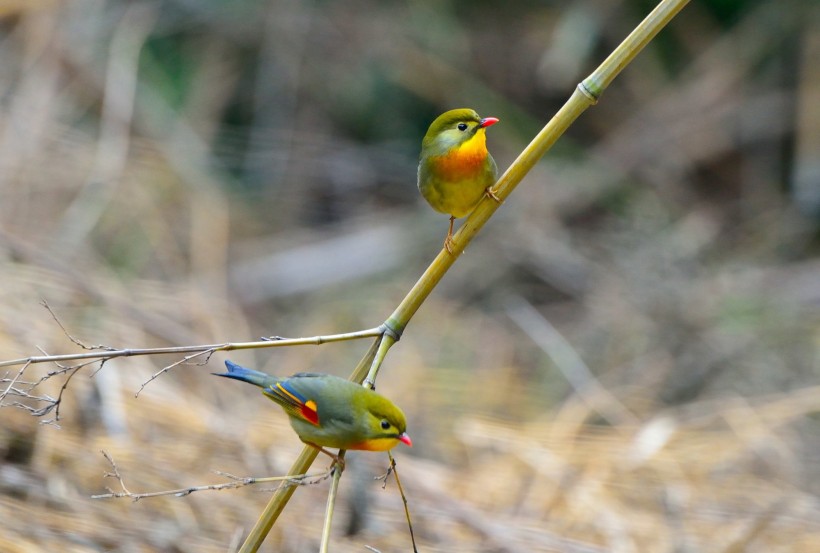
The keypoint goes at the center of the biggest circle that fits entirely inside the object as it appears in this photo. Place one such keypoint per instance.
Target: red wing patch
(294, 403)
(308, 411)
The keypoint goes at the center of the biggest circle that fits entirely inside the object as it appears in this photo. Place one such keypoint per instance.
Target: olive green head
(386, 418)
(453, 128)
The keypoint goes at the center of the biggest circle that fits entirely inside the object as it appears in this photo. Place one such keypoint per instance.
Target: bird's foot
(386, 475)
(338, 463)
(338, 460)
(448, 244)
(490, 194)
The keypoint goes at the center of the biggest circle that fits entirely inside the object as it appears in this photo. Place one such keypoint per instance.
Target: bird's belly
(457, 198)
(337, 434)
(318, 435)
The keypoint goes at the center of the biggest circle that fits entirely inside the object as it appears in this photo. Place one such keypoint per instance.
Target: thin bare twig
(12, 381)
(52, 404)
(227, 346)
(59, 400)
(184, 360)
(236, 482)
(103, 353)
(70, 336)
(403, 498)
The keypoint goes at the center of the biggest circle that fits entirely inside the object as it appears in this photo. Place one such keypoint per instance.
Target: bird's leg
(490, 194)
(337, 461)
(448, 242)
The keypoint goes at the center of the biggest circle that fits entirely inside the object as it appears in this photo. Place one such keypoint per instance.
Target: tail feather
(251, 376)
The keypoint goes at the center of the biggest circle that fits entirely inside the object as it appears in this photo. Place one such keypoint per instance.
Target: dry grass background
(625, 360)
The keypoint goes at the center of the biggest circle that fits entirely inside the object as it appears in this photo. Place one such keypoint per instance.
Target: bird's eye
(385, 424)
(462, 126)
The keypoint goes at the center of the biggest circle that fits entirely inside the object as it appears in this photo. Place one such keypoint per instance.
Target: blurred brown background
(626, 359)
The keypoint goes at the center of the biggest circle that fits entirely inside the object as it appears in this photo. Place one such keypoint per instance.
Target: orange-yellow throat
(464, 161)
(379, 444)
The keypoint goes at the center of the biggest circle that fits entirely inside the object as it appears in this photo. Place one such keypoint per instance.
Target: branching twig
(68, 335)
(115, 474)
(227, 346)
(57, 402)
(23, 389)
(12, 381)
(102, 353)
(236, 482)
(391, 469)
(54, 403)
(207, 353)
(403, 498)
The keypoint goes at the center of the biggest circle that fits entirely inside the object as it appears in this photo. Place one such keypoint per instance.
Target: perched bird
(455, 168)
(328, 411)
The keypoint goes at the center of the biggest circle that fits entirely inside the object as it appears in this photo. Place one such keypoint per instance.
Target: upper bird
(328, 411)
(455, 168)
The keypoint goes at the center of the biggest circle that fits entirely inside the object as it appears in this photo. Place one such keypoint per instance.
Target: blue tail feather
(251, 376)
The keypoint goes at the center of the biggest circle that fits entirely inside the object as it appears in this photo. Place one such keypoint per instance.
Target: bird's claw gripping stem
(338, 461)
(490, 194)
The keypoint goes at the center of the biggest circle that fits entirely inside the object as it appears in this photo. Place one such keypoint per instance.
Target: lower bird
(328, 411)
(455, 168)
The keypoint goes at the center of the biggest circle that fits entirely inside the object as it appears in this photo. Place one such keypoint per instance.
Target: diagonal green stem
(585, 95)
(331, 505)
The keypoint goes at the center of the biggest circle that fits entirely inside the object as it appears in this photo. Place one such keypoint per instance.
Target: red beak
(488, 121)
(403, 437)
